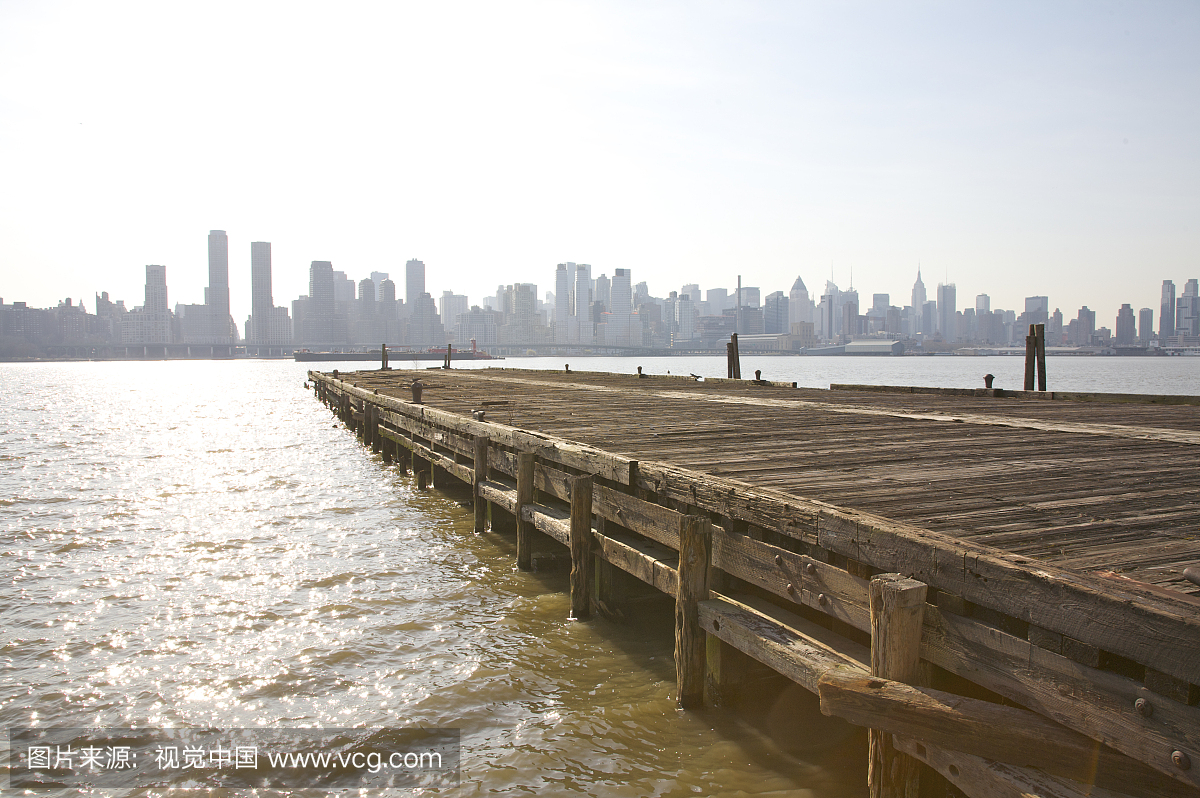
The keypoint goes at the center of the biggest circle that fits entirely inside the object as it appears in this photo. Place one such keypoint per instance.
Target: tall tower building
(562, 303)
(983, 304)
(217, 294)
(947, 306)
(414, 281)
(1145, 325)
(800, 305)
(918, 292)
(321, 303)
(1166, 311)
(261, 299)
(583, 302)
(156, 290)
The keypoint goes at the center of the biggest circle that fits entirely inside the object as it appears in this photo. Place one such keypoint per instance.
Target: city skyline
(1011, 149)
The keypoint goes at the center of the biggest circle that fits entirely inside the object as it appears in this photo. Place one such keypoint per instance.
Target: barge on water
(1009, 605)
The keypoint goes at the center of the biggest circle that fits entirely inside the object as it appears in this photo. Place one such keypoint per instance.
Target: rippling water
(191, 544)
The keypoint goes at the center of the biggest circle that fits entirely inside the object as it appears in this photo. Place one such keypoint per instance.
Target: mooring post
(1030, 357)
(524, 497)
(581, 548)
(477, 478)
(695, 557)
(737, 357)
(897, 612)
(1040, 342)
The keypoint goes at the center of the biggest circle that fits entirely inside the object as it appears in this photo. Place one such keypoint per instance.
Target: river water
(199, 544)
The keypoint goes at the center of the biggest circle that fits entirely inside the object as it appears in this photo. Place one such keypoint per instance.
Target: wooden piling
(1040, 348)
(1030, 357)
(479, 474)
(524, 497)
(604, 589)
(897, 614)
(695, 557)
(581, 548)
(422, 480)
(737, 357)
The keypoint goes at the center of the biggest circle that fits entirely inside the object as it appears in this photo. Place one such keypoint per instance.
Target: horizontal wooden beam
(795, 647)
(1004, 734)
(985, 778)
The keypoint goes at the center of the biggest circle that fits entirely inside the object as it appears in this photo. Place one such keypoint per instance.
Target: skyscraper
(321, 304)
(583, 302)
(947, 305)
(1125, 326)
(800, 304)
(1145, 325)
(216, 297)
(562, 303)
(918, 292)
(261, 299)
(414, 281)
(1166, 311)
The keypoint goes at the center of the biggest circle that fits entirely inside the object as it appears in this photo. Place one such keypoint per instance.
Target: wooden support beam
(604, 590)
(1004, 734)
(984, 778)
(1030, 358)
(695, 557)
(725, 673)
(897, 613)
(524, 497)
(1040, 347)
(794, 646)
(581, 548)
(478, 475)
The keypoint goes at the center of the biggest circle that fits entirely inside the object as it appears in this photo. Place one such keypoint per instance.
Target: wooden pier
(994, 585)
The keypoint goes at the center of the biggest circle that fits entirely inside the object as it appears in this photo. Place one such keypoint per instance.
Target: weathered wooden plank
(499, 494)
(1094, 702)
(812, 583)
(984, 778)
(1004, 734)
(1106, 616)
(548, 520)
(656, 568)
(797, 648)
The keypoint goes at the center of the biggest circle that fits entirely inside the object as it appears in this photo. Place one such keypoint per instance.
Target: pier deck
(1087, 486)
(1045, 542)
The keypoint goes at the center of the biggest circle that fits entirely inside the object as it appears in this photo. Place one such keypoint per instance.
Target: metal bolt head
(790, 589)
(1181, 760)
(779, 559)
(822, 599)
(1143, 707)
(812, 569)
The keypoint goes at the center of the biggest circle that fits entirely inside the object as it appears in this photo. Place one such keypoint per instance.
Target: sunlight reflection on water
(196, 543)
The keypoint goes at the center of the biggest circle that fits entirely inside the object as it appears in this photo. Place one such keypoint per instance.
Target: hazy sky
(1018, 148)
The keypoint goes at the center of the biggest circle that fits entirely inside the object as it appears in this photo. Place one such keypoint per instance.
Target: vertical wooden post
(729, 360)
(897, 612)
(422, 480)
(477, 478)
(1040, 344)
(695, 556)
(737, 357)
(1030, 357)
(524, 497)
(604, 591)
(373, 430)
(387, 446)
(581, 548)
